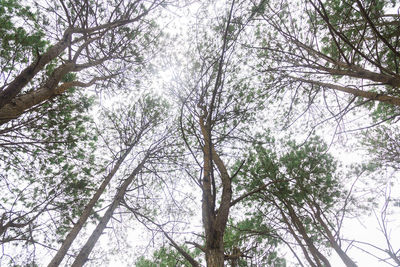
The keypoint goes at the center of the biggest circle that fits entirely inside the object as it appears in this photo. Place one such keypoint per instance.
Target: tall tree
(131, 134)
(45, 168)
(301, 198)
(217, 102)
(49, 51)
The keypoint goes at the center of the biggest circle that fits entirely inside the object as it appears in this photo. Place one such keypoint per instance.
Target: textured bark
(215, 258)
(214, 221)
(57, 259)
(23, 103)
(234, 258)
(358, 72)
(94, 237)
(208, 202)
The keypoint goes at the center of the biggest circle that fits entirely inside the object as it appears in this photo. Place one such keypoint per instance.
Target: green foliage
(255, 239)
(18, 43)
(129, 121)
(347, 18)
(301, 173)
(49, 165)
(298, 178)
(384, 113)
(382, 142)
(166, 257)
(340, 43)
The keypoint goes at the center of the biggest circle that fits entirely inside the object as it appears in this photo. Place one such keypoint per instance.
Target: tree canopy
(199, 133)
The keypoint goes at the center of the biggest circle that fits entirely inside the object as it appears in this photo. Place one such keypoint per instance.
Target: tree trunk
(235, 257)
(86, 213)
(292, 231)
(215, 257)
(302, 230)
(214, 221)
(91, 242)
(345, 258)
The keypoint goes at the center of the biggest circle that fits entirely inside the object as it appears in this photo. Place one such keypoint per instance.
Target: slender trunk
(310, 244)
(235, 257)
(91, 242)
(345, 258)
(303, 248)
(86, 213)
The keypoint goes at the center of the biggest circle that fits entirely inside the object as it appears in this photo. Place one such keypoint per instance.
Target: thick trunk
(214, 221)
(86, 213)
(91, 242)
(215, 257)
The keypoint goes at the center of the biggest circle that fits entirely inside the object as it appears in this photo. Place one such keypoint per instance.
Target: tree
(382, 142)
(165, 257)
(262, 202)
(141, 121)
(253, 241)
(342, 51)
(301, 198)
(48, 51)
(96, 42)
(217, 102)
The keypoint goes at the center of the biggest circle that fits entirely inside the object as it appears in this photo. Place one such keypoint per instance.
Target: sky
(179, 23)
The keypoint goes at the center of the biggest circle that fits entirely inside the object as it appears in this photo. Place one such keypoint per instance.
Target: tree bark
(27, 101)
(356, 92)
(20, 104)
(215, 258)
(214, 221)
(310, 244)
(303, 248)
